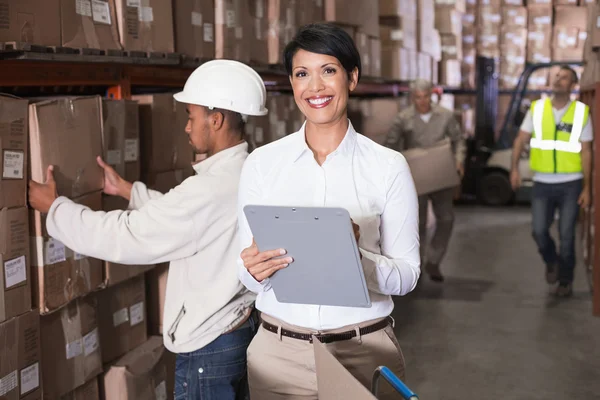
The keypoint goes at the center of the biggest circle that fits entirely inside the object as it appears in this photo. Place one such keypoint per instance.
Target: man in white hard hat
(207, 315)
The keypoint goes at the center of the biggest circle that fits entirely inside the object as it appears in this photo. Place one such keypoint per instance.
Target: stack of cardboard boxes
(469, 44)
(513, 44)
(591, 72)
(448, 21)
(398, 32)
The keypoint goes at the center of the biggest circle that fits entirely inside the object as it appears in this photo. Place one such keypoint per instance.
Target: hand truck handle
(392, 380)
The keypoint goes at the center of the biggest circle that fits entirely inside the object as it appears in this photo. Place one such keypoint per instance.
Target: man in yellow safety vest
(559, 132)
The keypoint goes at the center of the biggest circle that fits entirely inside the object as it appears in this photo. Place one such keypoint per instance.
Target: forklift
(488, 163)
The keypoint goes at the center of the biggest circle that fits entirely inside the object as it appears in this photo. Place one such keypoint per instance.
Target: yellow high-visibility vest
(555, 148)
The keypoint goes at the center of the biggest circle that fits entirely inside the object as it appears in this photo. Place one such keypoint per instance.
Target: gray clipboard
(327, 269)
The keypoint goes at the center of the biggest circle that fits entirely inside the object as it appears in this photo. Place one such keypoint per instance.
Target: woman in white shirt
(328, 164)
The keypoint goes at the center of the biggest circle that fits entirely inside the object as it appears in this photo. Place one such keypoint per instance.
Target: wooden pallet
(28, 51)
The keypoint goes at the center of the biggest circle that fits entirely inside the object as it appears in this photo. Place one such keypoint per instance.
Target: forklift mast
(486, 107)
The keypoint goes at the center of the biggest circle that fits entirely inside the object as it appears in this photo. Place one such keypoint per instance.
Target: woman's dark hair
(324, 38)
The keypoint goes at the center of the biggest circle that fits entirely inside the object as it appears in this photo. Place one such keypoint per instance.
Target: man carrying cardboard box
(424, 125)
(559, 132)
(207, 311)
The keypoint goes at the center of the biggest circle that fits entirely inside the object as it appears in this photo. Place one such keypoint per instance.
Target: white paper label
(30, 378)
(469, 60)
(161, 391)
(90, 342)
(230, 18)
(134, 3)
(493, 18)
(113, 157)
(520, 20)
(239, 32)
(259, 135)
(468, 19)
(260, 9)
(101, 12)
(55, 252)
(545, 20)
(83, 7)
(469, 39)
(145, 14)
(536, 36)
(74, 349)
(120, 317)
(131, 150)
(397, 34)
(78, 256)
(598, 23)
(8, 383)
(137, 313)
(582, 35)
(451, 50)
(196, 18)
(208, 32)
(15, 272)
(14, 165)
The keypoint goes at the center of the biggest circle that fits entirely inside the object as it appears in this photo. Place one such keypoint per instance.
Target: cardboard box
(433, 168)
(539, 2)
(538, 80)
(31, 21)
(156, 284)
(20, 356)
(398, 31)
(469, 19)
(164, 143)
(469, 37)
(514, 16)
(88, 391)
(13, 147)
(122, 318)
(67, 132)
(450, 73)
(568, 2)
(539, 46)
(195, 28)
(511, 3)
(448, 21)
(406, 8)
(489, 20)
(377, 117)
(435, 72)
(451, 47)
(571, 16)
(61, 274)
(513, 42)
(426, 10)
(488, 45)
(232, 30)
(114, 273)
(120, 137)
(375, 57)
(458, 5)
(468, 69)
(363, 14)
(510, 72)
(394, 63)
(539, 17)
(146, 25)
(593, 27)
(71, 341)
(15, 279)
(89, 24)
(591, 72)
(140, 374)
(282, 22)
(258, 130)
(259, 36)
(428, 39)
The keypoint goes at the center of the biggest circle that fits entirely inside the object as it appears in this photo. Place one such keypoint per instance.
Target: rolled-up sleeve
(249, 193)
(396, 270)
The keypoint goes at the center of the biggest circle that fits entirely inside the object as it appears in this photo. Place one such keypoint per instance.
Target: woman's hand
(262, 265)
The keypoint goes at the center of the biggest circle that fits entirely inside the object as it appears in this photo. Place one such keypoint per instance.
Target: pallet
(28, 51)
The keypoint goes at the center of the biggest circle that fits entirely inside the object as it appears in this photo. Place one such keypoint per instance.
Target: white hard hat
(225, 84)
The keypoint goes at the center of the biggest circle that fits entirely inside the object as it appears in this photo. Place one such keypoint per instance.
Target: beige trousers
(443, 208)
(284, 368)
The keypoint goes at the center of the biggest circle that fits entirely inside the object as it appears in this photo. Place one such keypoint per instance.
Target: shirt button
(201, 370)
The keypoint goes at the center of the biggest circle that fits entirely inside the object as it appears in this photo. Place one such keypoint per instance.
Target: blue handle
(392, 380)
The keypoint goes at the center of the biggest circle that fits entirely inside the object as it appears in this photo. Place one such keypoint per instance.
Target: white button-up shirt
(373, 183)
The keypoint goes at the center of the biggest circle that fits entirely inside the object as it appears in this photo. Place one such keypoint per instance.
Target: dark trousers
(546, 199)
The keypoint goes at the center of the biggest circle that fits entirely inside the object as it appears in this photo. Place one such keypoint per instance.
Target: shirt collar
(205, 165)
(345, 148)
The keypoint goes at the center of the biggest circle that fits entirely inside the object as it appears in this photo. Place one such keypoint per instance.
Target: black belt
(329, 337)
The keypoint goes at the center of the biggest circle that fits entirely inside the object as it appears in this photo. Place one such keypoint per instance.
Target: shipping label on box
(61, 274)
(122, 318)
(400, 31)
(13, 151)
(146, 25)
(514, 16)
(451, 47)
(20, 354)
(89, 24)
(194, 28)
(71, 340)
(15, 280)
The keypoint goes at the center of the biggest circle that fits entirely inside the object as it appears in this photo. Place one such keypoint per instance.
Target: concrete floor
(492, 330)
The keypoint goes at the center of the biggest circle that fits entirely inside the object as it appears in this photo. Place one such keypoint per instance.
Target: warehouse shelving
(124, 75)
(590, 95)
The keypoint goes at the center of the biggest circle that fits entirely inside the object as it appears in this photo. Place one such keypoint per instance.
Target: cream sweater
(194, 226)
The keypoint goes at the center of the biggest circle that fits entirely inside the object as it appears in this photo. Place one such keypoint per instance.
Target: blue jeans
(218, 370)
(546, 199)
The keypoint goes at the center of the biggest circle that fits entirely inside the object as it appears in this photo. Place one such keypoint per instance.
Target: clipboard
(327, 269)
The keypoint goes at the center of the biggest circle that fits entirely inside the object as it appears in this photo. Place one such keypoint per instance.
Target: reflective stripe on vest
(572, 146)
